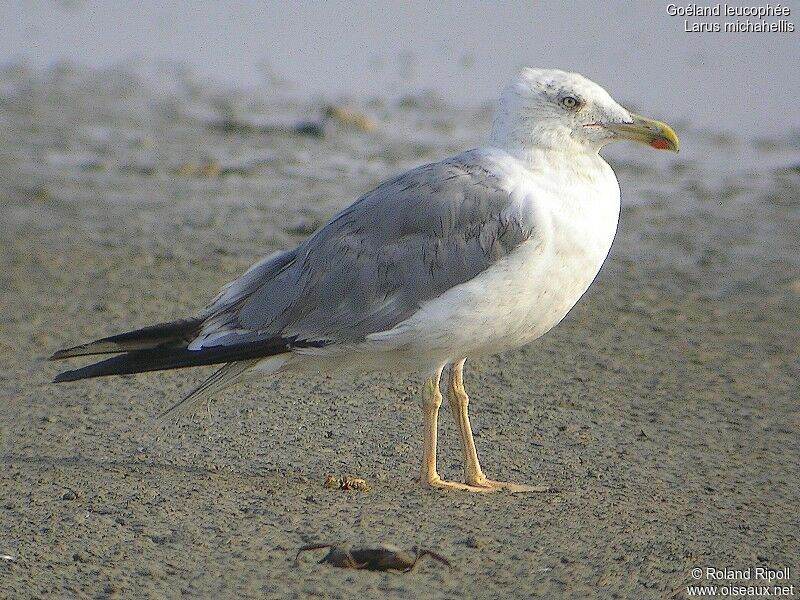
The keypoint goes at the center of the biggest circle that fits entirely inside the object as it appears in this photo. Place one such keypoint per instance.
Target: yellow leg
(473, 475)
(431, 401)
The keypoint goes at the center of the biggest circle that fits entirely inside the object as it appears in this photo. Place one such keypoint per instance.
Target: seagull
(473, 255)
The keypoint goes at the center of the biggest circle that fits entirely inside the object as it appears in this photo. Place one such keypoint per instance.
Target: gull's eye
(570, 102)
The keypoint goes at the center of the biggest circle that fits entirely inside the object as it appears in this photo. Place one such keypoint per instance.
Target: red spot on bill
(661, 144)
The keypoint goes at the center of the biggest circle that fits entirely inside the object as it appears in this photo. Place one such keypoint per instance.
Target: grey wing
(406, 242)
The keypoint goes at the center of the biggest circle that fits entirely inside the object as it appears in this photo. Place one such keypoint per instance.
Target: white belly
(509, 305)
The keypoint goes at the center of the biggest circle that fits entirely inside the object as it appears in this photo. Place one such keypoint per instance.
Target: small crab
(347, 483)
(386, 557)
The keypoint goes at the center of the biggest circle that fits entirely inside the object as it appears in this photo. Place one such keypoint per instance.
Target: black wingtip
(160, 359)
(65, 376)
(60, 354)
(162, 335)
(83, 349)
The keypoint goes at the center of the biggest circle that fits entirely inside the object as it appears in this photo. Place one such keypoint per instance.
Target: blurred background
(461, 51)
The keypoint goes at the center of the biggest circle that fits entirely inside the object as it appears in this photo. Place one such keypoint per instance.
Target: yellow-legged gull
(472, 255)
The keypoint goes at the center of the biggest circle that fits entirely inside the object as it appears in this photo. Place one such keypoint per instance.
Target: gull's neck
(535, 145)
(557, 155)
(570, 159)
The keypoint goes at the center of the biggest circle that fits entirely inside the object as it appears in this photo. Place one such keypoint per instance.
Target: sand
(664, 409)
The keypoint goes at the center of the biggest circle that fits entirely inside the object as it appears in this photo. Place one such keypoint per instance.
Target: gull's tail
(228, 375)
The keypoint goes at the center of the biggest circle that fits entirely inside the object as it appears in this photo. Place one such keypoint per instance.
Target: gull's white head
(551, 109)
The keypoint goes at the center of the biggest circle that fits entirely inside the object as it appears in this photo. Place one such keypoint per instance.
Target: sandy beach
(663, 410)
